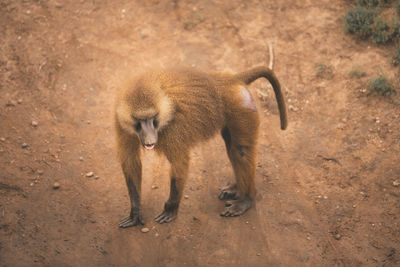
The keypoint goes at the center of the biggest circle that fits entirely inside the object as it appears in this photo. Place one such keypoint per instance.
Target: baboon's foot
(131, 220)
(236, 207)
(228, 192)
(166, 216)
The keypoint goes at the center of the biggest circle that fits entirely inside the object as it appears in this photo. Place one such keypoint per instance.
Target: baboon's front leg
(179, 171)
(134, 185)
(129, 153)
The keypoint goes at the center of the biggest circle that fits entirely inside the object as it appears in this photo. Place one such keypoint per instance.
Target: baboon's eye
(138, 127)
(155, 123)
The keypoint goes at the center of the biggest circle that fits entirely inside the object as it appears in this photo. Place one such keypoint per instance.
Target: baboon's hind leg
(228, 192)
(240, 138)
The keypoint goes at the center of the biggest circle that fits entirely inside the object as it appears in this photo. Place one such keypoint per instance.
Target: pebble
(96, 177)
(34, 123)
(89, 174)
(24, 145)
(40, 172)
(81, 158)
(56, 185)
(10, 103)
(258, 254)
(396, 183)
(145, 230)
(186, 196)
(154, 187)
(293, 108)
(2, 139)
(338, 236)
(19, 101)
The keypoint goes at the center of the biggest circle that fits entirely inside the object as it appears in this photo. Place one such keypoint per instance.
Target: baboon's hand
(131, 221)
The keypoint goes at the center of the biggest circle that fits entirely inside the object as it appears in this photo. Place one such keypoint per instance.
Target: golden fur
(191, 107)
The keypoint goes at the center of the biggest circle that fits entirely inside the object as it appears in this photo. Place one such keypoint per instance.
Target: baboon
(171, 111)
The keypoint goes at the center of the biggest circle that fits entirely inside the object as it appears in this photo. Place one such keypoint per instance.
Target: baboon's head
(144, 109)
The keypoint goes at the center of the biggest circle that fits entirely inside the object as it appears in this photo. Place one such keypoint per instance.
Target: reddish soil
(328, 187)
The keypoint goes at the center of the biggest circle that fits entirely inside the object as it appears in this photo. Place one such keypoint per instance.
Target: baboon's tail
(253, 74)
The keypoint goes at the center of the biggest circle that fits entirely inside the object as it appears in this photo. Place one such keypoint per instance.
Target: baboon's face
(147, 130)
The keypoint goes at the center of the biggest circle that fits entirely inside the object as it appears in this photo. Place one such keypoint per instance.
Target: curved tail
(253, 74)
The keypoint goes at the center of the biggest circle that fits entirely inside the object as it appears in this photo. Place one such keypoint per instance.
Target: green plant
(381, 86)
(358, 21)
(195, 19)
(396, 57)
(381, 32)
(323, 70)
(369, 3)
(357, 73)
(373, 3)
(397, 6)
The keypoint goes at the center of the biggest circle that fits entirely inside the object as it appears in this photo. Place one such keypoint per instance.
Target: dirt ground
(328, 187)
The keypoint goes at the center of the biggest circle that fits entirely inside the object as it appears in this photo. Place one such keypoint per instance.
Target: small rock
(24, 145)
(31, 184)
(56, 185)
(58, 4)
(396, 183)
(154, 186)
(96, 177)
(34, 123)
(2, 139)
(156, 234)
(145, 230)
(40, 172)
(258, 254)
(293, 108)
(81, 158)
(10, 103)
(89, 174)
(186, 196)
(19, 101)
(337, 236)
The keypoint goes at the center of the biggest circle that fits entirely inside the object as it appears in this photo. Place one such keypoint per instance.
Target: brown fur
(191, 107)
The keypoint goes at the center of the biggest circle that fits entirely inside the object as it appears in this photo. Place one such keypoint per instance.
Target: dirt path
(328, 192)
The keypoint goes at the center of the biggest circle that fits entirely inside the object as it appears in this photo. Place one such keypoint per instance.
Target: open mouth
(149, 147)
